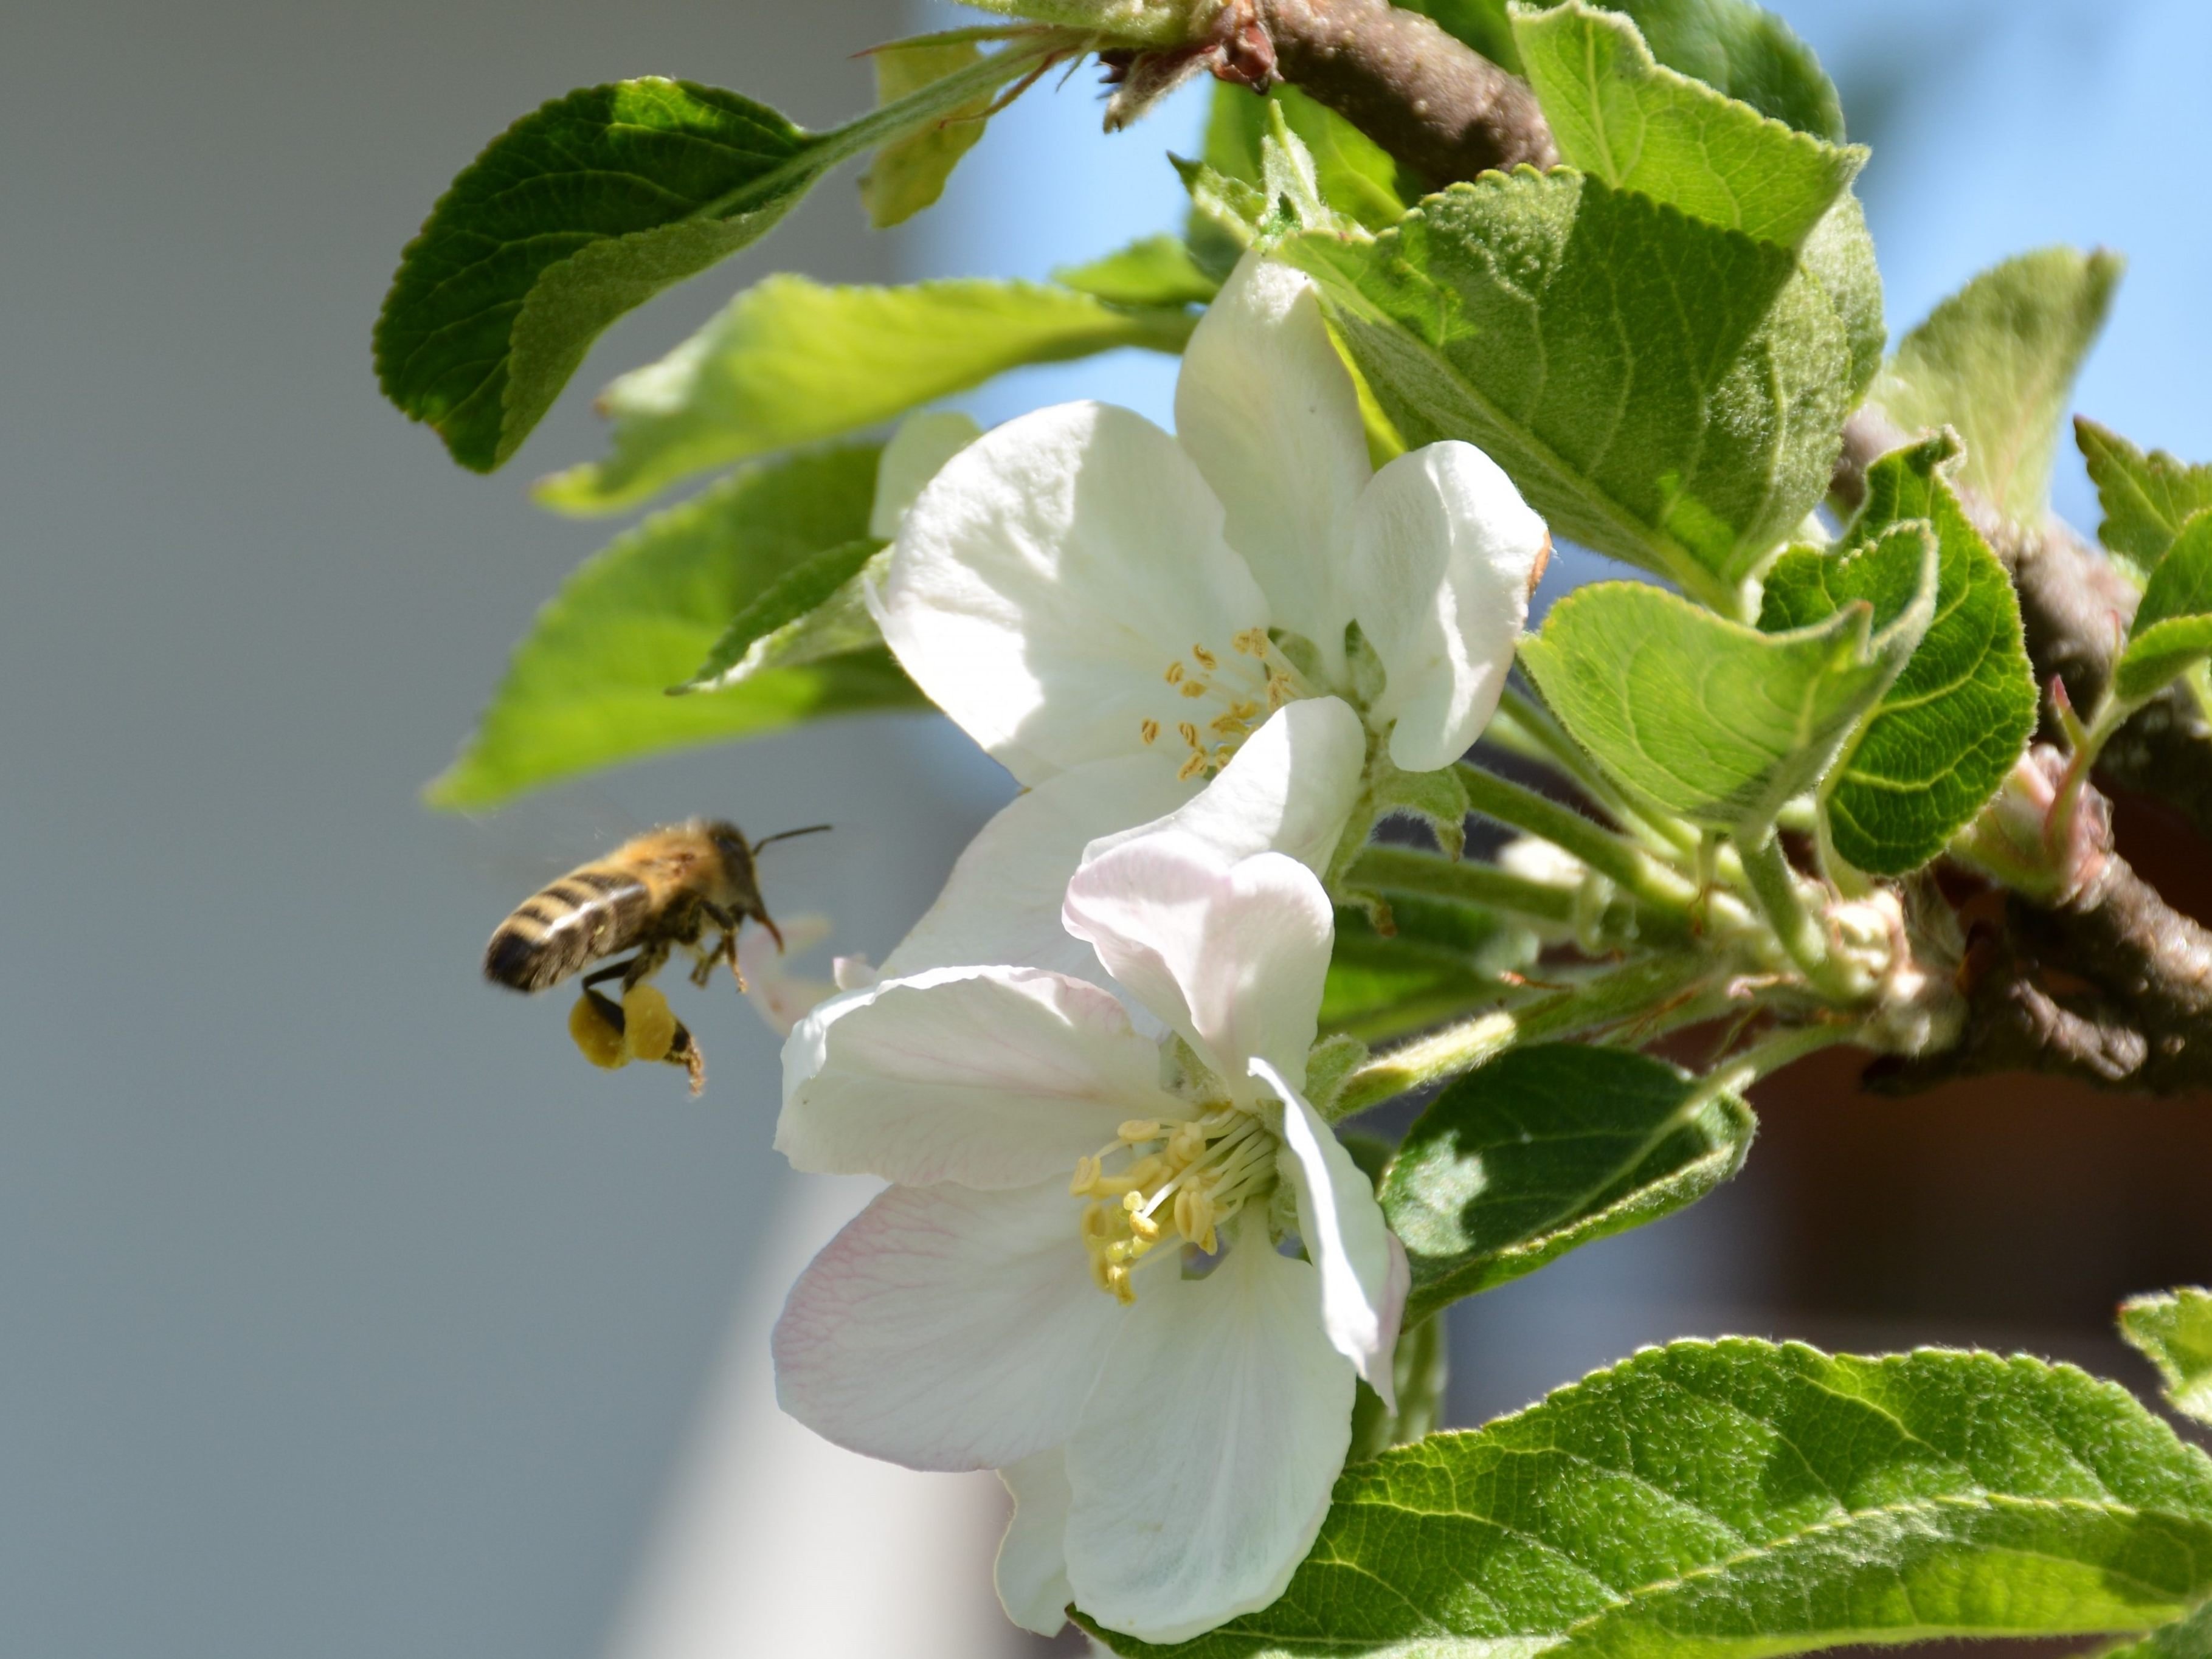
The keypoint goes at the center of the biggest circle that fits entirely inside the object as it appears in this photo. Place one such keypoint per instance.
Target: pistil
(1193, 1175)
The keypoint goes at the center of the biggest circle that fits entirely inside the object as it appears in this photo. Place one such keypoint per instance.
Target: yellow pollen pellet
(1194, 688)
(1149, 730)
(1139, 1129)
(1205, 658)
(648, 1023)
(1175, 672)
(596, 1036)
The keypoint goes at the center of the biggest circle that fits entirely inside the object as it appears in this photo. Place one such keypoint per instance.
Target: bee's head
(737, 851)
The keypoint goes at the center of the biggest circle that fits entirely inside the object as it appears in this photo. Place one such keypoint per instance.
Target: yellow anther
(1194, 688)
(1226, 725)
(1139, 1129)
(1175, 672)
(1133, 1202)
(1191, 768)
(1149, 730)
(1205, 658)
(1252, 642)
(1146, 1170)
(596, 1035)
(1087, 1172)
(1245, 710)
(1188, 733)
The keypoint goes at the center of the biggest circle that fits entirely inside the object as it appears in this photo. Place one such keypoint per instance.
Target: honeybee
(653, 893)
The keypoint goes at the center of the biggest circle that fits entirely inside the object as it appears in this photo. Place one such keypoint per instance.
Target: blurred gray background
(343, 1311)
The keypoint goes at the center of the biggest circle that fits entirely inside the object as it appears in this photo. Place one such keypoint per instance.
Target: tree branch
(1440, 108)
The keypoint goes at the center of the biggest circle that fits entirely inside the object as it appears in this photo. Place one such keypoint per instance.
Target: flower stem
(1529, 729)
(1620, 861)
(1401, 870)
(1604, 1000)
(1798, 931)
(1769, 1053)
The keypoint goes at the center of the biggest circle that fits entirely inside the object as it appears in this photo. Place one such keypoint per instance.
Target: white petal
(1445, 555)
(1269, 411)
(990, 1077)
(1231, 953)
(1048, 577)
(947, 1329)
(1001, 904)
(1032, 1567)
(922, 445)
(779, 996)
(1290, 789)
(1363, 1273)
(1202, 1466)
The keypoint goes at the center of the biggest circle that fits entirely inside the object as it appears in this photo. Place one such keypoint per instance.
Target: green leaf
(1498, 311)
(2172, 628)
(1718, 722)
(1738, 1498)
(1357, 177)
(1943, 737)
(1157, 270)
(791, 361)
(1997, 361)
(1443, 959)
(2186, 1638)
(587, 688)
(1838, 256)
(1620, 116)
(587, 209)
(909, 174)
(2174, 1330)
(1546, 1149)
(1732, 45)
(817, 609)
(2145, 497)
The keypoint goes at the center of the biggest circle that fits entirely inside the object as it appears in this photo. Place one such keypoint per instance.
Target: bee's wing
(536, 841)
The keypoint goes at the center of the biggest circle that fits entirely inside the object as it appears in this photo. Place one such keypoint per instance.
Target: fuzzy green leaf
(909, 174)
(1622, 117)
(1496, 312)
(2172, 628)
(1944, 736)
(1705, 1500)
(1732, 45)
(814, 610)
(584, 210)
(587, 688)
(1356, 175)
(2173, 1329)
(1997, 361)
(791, 361)
(1718, 722)
(1546, 1149)
(1156, 271)
(2185, 1638)
(2145, 497)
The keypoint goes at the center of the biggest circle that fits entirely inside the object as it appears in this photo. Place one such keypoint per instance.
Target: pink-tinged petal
(782, 998)
(989, 1077)
(1045, 580)
(1231, 953)
(1290, 789)
(1441, 567)
(1001, 904)
(1202, 1466)
(1363, 1273)
(1031, 1574)
(1267, 410)
(947, 1329)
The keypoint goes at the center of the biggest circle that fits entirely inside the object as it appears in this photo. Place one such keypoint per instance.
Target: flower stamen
(1192, 1176)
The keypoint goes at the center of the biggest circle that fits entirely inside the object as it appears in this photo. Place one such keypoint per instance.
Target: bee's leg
(601, 976)
(646, 964)
(726, 948)
(684, 1052)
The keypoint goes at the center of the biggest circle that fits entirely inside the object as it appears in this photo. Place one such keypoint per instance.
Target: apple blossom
(1075, 1277)
(1078, 586)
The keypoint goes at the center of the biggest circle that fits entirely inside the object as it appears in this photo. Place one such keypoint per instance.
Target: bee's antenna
(786, 835)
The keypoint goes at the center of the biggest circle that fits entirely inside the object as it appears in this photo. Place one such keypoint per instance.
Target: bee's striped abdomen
(588, 913)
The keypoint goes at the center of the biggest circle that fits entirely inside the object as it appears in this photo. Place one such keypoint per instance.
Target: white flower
(1076, 585)
(779, 996)
(1075, 1278)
